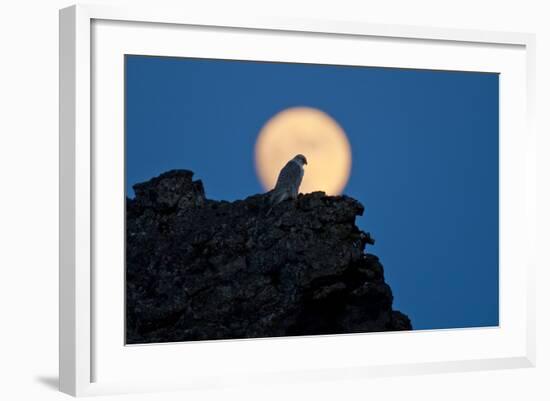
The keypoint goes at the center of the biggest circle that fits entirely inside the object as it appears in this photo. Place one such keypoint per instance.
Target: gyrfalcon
(288, 182)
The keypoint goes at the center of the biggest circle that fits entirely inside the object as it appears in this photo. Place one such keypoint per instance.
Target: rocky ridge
(200, 269)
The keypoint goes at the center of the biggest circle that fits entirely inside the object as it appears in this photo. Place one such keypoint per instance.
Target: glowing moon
(312, 133)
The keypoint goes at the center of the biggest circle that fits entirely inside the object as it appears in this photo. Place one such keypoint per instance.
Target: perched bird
(288, 182)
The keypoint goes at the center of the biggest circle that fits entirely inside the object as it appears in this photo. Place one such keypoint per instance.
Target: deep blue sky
(425, 160)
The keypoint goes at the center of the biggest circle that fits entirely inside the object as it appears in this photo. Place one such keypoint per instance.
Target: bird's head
(301, 159)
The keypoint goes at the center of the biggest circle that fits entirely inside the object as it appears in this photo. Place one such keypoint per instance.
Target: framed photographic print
(271, 200)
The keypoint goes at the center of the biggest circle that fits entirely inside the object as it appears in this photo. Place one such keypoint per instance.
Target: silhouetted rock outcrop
(202, 269)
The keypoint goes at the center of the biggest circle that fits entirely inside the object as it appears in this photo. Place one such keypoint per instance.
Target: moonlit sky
(425, 160)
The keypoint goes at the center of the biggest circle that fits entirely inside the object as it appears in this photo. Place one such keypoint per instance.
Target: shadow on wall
(52, 382)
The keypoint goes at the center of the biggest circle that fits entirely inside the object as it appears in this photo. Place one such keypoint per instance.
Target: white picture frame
(92, 356)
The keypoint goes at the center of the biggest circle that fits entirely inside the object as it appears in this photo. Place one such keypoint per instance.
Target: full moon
(312, 133)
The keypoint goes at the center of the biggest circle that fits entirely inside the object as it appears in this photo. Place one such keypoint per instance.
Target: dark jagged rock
(200, 269)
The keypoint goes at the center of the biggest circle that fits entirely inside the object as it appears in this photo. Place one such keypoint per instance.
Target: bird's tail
(274, 198)
(271, 202)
